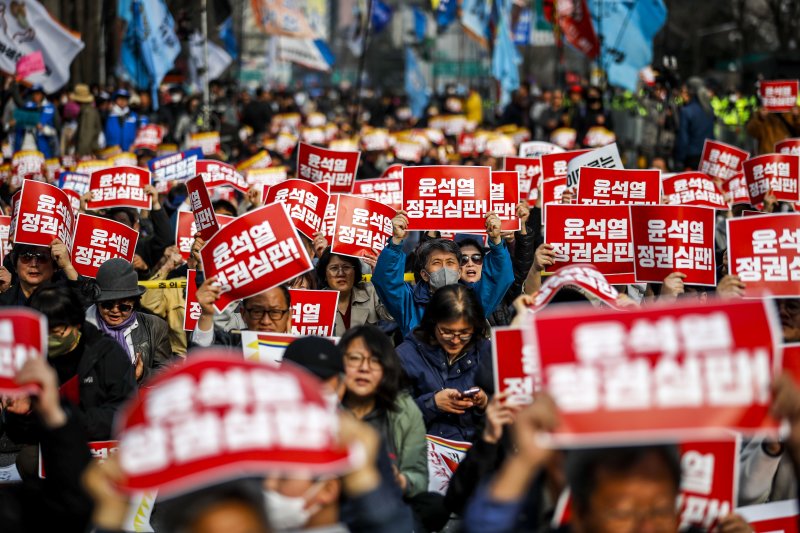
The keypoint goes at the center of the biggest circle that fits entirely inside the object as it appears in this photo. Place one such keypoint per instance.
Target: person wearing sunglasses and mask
(34, 266)
(448, 360)
(95, 375)
(144, 337)
(358, 302)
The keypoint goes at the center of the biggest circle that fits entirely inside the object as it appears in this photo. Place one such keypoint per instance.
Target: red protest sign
(45, 213)
(504, 198)
(99, 449)
(363, 227)
(320, 164)
(657, 372)
(251, 417)
(392, 172)
(447, 197)
(720, 160)
(709, 480)
(587, 278)
(5, 231)
(329, 220)
(597, 235)
(26, 164)
(388, 191)
(737, 192)
(516, 368)
(313, 311)
(305, 202)
(99, 239)
(216, 174)
(693, 188)
(186, 228)
(192, 309)
(530, 174)
(610, 186)
(764, 251)
(778, 96)
(779, 173)
(554, 165)
(772, 517)
(253, 253)
(119, 187)
(149, 137)
(788, 146)
(23, 336)
(204, 217)
(669, 239)
(553, 190)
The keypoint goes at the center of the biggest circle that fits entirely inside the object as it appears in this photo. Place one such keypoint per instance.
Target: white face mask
(290, 512)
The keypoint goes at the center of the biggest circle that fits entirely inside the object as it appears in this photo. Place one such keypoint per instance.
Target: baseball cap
(317, 355)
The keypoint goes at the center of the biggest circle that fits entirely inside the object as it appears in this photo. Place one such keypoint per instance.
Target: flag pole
(204, 79)
(361, 64)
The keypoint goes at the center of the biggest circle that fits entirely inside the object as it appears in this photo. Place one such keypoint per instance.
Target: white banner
(27, 27)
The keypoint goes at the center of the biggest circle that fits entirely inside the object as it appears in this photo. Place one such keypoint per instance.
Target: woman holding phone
(448, 360)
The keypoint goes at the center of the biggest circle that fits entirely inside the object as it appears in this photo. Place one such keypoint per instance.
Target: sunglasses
(123, 308)
(476, 258)
(28, 257)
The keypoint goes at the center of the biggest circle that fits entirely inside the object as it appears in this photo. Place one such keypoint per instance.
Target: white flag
(27, 27)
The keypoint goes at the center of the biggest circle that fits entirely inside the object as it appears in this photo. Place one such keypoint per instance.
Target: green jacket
(408, 435)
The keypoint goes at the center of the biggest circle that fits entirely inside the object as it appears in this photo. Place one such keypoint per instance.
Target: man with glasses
(269, 311)
(34, 266)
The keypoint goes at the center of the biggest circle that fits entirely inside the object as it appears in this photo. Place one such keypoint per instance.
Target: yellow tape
(180, 283)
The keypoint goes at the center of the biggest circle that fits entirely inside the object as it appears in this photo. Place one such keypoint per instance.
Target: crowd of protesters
(412, 359)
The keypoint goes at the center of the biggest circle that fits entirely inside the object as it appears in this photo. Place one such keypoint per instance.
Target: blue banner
(505, 60)
(149, 46)
(177, 166)
(381, 16)
(415, 85)
(475, 17)
(628, 28)
(445, 11)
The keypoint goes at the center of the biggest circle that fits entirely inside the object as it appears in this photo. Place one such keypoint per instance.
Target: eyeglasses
(258, 313)
(28, 257)
(123, 308)
(353, 360)
(449, 336)
(476, 258)
(340, 269)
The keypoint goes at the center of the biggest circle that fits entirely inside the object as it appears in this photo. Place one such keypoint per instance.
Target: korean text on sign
(516, 367)
(693, 188)
(45, 213)
(23, 336)
(778, 96)
(709, 480)
(681, 370)
(388, 191)
(336, 167)
(192, 309)
(119, 187)
(779, 173)
(504, 199)
(788, 146)
(720, 160)
(174, 167)
(669, 239)
(585, 277)
(604, 157)
(186, 228)
(249, 415)
(555, 165)
(363, 227)
(254, 253)
(604, 186)
(447, 197)
(597, 235)
(99, 239)
(216, 174)
(313, 311)
(764, 251)
(305, 201)
(530, 174)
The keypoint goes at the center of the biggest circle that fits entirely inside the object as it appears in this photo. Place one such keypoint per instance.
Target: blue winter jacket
(47, 144)
(121, 130)
(406, 302)
(427, 368)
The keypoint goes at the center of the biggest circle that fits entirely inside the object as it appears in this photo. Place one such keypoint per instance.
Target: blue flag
(150, 46)
(446, 11)
(228, 38)
(420, 24)
(505, 60)
(475, 17)
(381, 16)
(628, 28)
(522, 31)
(415, 84)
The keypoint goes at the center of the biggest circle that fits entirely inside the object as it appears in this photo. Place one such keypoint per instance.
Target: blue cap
(36, 88)
(121, 93)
